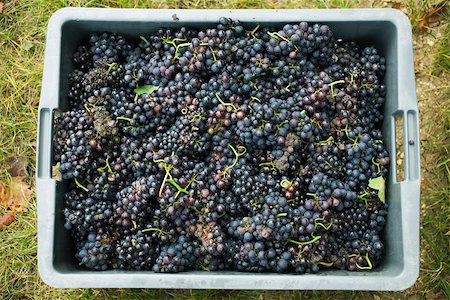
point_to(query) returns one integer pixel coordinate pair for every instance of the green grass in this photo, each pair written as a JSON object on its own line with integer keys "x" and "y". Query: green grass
{"x": 22, "y": 38}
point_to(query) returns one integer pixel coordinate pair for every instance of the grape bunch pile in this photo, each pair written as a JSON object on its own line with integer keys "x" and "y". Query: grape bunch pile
{"x": 242, "y": 148}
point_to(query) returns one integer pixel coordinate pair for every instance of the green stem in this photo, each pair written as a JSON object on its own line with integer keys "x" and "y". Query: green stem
{"x": 316, "y": 223}
{"x": 159, "y": 230}
{"x": 331, "y": 85}
{"x": 355, "y": 141}
{"x": 178, "y": 187}
{"x": 286, "y": 88}
{"x": 112, "y": 65}
{"x": 252, "y": 33}
{"x": 143, "y": 38}
{"x": 167, "y": 176}
{"x": 336, "y": 82}
{"x": 328, "y": 164}
{"x": 369, "y": 263}
{"x": 269, "y": 164}
{"x": 285, "y": 184}
{"x": 325, "y": 142}
{"x": 280, "y": 125}
{"x": 352, "y": 78}
{"x": 196, "y": 117}
{"x": 195, "y": 209}
{"x": 213, "y": 54}
{"x": 263, "y": 123}
{"x": 109, "y": 167}
{"x": 80, "y": 185}
{"x": 177, "y": 48}
{"x": 378, "y": 164}
{"x": 328, "y": 265}
{"x": 278, "y": 36}
{"x": 316, "y": 238}
{"x": 363, "y": 198}
{"x": 124, "y": 119}
{"x": 312, "y": 195}
{"x": 225, "y": 103}
{"x": 236, "y": 158}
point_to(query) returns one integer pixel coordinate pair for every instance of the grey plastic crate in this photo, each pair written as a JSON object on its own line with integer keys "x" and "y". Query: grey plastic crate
{"x": 387, "y": 29}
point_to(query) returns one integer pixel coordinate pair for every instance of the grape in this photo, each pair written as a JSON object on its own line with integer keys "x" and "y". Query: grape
{"x": 224, "y": 148}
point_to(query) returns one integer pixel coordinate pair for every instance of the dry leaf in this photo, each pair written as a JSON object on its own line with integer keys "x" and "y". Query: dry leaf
{"x": 27, "y": 45}
{"x": 7, "y": 219}
{"x": 17, "y": 166}
{"x": 1, "y": 7}
{"x": 394, "y": 4}
{"x": 432, "y": 15}
{"x": 15, "y": 195}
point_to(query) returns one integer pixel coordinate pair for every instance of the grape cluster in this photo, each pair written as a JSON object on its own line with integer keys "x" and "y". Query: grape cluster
{"x": 244, "y": 148}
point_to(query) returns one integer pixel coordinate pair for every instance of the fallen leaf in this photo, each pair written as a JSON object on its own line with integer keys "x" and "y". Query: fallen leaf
{"x": 27, "y": 45}
{"x": 15, "y": 195}
{"x": 17, "y": 166}
{"x": 56, "y": 175}
{"x": 1, "y": 7}
{"x": 432, "y": 15}
{"x": 7, "y": 219}
{"x": 394, "y": 4}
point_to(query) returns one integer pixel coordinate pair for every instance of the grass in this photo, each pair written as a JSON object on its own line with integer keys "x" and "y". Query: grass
{"x": 22, "y": 37}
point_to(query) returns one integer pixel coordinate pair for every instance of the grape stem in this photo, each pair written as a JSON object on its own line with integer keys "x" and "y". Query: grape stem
{"x": 123, "y": 118}
{"x": 169, "y": 179}
{"x": 286, "y": 88}
{"x": 269, "y": 164}
{"x": 236, "y": 158}
{"x": 177, "y": 47}
{"x": 315, "y": 198}
{"x": 316, "y": 223}
{"x": 363, "y": 198}
{"x": 316, "y": 238}
{"x": 377, "y": 163}
{"x": 110, "y": 66}
{"x": 325, "y": 142}
{"x": 80, "y": 185}
{"x": 196, "y": 117}
{"x": 107, "y": 165}
{"x": 143, "y": 38}
{"x": 328, "y": 265}
{"x": 226, "y": 103}
{"x": 159, "y": 230}
{"x": 331, "y": 85}
{"x": 285, "y": 184}
{"x": 366, "y": 257}
{"x": 278, "y": 36}
{"x": 252, "y": 33}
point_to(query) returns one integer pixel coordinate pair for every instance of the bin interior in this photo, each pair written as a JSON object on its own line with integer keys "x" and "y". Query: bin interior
{"x": 380, "y": 34}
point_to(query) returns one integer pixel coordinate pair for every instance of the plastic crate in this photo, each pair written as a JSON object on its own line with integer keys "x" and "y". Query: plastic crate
{"x": 387, "y": 29}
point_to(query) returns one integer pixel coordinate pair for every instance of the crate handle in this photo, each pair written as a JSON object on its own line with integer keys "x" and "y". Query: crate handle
{"x": 411, "y": 145}
{"x": 44, "y": 150}
{"x": 405, "y": 129}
